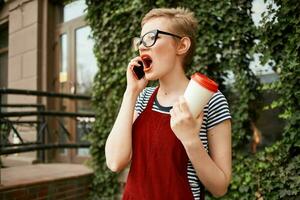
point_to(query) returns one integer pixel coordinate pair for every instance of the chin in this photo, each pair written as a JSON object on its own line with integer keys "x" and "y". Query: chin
{"x": 151, "y": 77}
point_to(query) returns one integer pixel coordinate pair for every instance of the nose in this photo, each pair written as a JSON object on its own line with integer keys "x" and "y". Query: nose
{"x": 141, "y": 47}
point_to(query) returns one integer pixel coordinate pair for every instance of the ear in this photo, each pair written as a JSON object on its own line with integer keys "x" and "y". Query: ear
{"x": 184, "y": 45}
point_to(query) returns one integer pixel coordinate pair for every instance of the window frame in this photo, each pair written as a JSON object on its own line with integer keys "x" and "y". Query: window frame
{"x": 69, "y": 28}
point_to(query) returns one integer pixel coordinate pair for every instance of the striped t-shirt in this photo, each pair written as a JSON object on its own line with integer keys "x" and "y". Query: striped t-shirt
{"x": 215, "y": 112}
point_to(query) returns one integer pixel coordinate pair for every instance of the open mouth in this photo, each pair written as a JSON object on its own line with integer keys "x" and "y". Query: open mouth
{"x": 147, "y": 60}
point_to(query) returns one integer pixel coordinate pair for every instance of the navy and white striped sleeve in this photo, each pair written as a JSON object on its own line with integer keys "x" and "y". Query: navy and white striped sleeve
{"x": 218, "y": 110}
{"x": 138, "y": 107}
{"x": 142, "y": 99}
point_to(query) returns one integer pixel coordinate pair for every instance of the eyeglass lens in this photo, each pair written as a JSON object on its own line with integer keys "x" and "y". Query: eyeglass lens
{"x": 147, "y": 40}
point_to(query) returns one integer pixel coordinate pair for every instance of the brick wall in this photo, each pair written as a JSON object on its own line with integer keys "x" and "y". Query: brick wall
{"x": 67, "y": 189}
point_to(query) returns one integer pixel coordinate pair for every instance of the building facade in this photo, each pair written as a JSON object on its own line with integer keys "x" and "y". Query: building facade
{"x": 46, "y": 46}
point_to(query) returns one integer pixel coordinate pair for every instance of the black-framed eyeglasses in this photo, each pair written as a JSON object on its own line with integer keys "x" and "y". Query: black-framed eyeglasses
{"x": 149, "y": 38}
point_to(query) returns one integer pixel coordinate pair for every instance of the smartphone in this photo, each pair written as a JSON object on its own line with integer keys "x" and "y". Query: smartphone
{"x": 139, "y": 70}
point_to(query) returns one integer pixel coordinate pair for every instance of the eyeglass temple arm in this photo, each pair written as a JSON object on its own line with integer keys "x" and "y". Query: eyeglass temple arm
{"x": 166, "y": 33}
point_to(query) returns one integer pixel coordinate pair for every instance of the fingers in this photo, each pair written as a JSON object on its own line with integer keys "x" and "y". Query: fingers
{"x": 176, "y": 108}
{"x": 130, "y": 68}
{"x": 134, "y": 62}
{"x": 180, "y": 109}
{"x": 200, "y": 117}
{"x": 183, "y": 105}
{"x": 172, "y": 113}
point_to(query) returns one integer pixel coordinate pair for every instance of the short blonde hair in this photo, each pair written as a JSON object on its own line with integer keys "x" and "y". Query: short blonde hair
{"x": 183, "y": 22}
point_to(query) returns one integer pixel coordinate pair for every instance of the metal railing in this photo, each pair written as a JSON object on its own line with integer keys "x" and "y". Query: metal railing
{"x": 8, "y": 123}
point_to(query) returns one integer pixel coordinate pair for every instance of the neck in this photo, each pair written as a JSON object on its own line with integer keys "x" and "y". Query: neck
{"x": 173, "y": 84}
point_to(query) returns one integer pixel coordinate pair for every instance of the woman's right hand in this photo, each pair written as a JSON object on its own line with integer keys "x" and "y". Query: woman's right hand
{"x": 133, "y": 84}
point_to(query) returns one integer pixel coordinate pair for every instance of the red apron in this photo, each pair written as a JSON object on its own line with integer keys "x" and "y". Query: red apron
{"x": 159, "y": 162}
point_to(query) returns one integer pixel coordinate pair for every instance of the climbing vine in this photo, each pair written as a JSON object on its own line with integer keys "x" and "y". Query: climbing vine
{"x": 226, "y": 38}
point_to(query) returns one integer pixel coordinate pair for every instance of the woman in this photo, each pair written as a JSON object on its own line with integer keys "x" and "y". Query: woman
{"x": 155, "y": 130}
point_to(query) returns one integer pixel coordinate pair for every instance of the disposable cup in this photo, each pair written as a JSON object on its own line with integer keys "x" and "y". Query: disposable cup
{"x": 198, "y": 93}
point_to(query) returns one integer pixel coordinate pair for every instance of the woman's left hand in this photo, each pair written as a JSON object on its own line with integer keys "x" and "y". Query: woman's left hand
{"x": 183, "y": 124}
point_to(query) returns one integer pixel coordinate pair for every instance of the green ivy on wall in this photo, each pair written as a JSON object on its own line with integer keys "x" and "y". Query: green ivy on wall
{"x": 274, "y": 173}
{"x": 280, "y": 42}
{"x": 113, "y": 24}
{"x": 224, "y": 46}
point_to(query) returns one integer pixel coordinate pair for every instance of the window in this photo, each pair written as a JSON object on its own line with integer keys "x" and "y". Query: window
{"x": 72, "y": 11}
{"x": 3, "y": 57}
{"x": 86, "y": 68}
{"x": 3, "y": 54}
{"x": 76, "y": 65}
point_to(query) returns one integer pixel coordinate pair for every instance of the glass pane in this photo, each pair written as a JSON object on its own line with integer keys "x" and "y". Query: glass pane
{"x": 63, "y": 136}
{"x": 86, "y": 68}
{"x": 3, "y": 76}
{"x": 63, "y": 87}
{"x": 3, "y": 69}
{"x": 63, "y": 71}
{"x": 74, "y": 10}
{"x": 3, "y": 36}
{"x": 83, "y": 128}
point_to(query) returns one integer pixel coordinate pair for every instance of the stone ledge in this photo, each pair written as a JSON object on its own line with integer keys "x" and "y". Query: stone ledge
{"x": 14, "y": 161}
{"x": 21, "y": 176}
